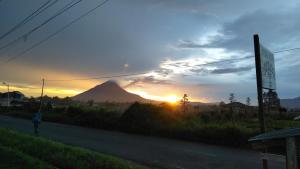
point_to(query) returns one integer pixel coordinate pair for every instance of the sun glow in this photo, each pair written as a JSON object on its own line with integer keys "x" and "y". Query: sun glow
{"x": 171, "y": 99}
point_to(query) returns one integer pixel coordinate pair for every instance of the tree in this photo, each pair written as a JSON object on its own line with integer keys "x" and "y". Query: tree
{"x": 231, "y": 97}
{"x": 184, "y": 102}
{"x": 90, "y": 103}
{"x": 248, "y": 101}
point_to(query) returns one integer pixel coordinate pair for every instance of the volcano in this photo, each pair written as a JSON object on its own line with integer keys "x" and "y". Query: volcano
{"x": 108, "y": 91}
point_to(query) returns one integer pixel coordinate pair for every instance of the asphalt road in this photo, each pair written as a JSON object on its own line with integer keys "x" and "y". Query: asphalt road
{"x": 150, "y": 151}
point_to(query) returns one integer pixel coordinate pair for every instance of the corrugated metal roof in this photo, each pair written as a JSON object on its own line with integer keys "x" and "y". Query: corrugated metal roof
{"x": 278, "y": 134}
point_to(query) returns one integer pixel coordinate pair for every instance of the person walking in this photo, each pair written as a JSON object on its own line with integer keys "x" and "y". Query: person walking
{"x": 36, "y": 121}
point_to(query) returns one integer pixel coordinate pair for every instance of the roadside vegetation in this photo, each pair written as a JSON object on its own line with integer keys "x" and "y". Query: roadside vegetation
{"x": 14, "y": 159}
{"x": 19, "y": 151}
{"x": 210, "y": 124}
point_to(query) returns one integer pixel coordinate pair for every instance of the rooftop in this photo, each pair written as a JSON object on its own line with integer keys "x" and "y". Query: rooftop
{"x": 278, "y": 134}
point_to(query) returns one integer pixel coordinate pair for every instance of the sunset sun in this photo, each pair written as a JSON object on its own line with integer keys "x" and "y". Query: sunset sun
{"x": 172, "y": 99}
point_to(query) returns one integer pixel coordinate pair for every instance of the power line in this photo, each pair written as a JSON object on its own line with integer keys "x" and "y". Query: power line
{"x": 22, "y": 86}
{"x": 41, "y": 9}
{"x": 24, "y": 36}
{"x": 55, "y": 33}
{"x": 100, "y": 77}
{"x": 286, "y": 50}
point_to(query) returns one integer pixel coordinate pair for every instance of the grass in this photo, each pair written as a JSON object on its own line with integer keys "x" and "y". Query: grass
{"x": 37, "y": 149}
{"x": 14, "y": 159}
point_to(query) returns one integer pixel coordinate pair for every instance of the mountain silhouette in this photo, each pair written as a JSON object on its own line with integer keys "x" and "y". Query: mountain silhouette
{"x": 108, "y": 91}
{"x": 291, "y": 103}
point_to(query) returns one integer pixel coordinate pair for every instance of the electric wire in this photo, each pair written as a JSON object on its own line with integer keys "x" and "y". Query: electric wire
{"x": 286, "y": 50}
{"x": 99, "y": 77}
{"x": 55, "y": 33}
{"x": 34, "y": 14}
{"x": 24, "y": 36}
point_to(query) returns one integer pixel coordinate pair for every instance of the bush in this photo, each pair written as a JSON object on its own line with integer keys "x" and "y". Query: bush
{"x": 93, "y": 117}
{"x": 147, "y": 118}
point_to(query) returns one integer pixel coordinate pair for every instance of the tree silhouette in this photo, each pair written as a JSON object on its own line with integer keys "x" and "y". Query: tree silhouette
{"x": 248, "y": 101}
{"x": 184, "y": 102}
{"x": 231, "y": 97}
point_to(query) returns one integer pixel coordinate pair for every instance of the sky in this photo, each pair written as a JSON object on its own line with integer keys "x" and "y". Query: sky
{"x": 203, "y": 48}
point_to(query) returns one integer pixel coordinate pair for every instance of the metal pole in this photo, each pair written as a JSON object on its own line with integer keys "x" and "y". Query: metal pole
{"x": 259, "y": 90}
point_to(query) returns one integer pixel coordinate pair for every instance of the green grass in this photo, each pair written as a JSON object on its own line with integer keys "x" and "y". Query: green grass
{"x": 60, "y": 155}
{"x": 14, "y": 159}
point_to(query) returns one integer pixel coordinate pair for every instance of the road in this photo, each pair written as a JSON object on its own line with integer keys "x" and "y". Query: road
{"x": 150, "y": 151}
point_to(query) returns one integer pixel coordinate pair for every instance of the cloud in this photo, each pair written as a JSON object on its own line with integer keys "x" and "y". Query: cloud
{"x": 147, "y": 80}
{"x": 190, "y": 44}
{"x": 231, "y": 70}
{"x": 164, "y": 72}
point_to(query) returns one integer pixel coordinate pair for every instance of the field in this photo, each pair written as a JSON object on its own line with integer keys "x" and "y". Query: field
{"x": 18, "y": 151}
{"x": 209, "y": 125}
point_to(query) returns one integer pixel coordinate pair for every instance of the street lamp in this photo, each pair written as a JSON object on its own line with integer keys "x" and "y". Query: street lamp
{"x": 8, "y": 104}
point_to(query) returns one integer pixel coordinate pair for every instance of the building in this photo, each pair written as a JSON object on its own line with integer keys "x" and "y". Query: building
{"x": 281, "y": 145}
{"x": 16, "y": 98}
{"x": 237, "y": 107}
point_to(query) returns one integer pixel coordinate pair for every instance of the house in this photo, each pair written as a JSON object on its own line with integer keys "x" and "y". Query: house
{"x": 16, "y": 98}
{"x": 281, "y": 145}
{"x": 235, "y": 107}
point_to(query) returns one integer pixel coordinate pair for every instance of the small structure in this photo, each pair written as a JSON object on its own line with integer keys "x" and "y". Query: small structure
{"x": 15, "y": 98}
{"x": 281, "y": 145}
{"x": 237, "y": 107}
{"x": 271, "y": 102}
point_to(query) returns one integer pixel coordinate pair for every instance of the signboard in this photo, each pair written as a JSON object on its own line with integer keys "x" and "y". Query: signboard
{"x": 267, "y": 68}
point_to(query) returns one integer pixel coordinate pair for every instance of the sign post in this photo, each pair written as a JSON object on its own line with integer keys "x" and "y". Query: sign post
{"x": 259, "y": 82}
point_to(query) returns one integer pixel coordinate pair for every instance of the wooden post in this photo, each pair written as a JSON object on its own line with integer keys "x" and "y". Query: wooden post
{"x": 291, "y": 153}
{"x": 41, "y": 99}
{"x": 8, "y": 99}
{"x": 259, "y": 90}
{"x": 259, "y": 83}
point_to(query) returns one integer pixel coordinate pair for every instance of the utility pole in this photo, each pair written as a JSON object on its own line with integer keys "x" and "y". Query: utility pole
{"x": 8, "y": 99}
{"x": 259, "y": 90}
{"x": 41, "y": 99}
{"x": 259, "y": 83}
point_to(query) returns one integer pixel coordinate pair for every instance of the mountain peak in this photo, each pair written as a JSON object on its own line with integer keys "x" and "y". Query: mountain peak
{"x": 109, "y": 91}
{"x": 109, "y": 83}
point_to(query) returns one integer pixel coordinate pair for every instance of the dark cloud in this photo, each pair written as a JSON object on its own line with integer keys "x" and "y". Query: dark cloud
{"x": 164, "y": 72}
{"x": 200, "y": 71}
{"x": 190, "y": 44}
{"x": 147, "y": 80}
{"x": 225, "y": 62}
{"x": 276, "y": 30}
{"x": 231, "y": 70}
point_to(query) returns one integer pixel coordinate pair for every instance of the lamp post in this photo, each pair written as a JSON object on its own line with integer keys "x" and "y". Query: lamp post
{"x": 8, "y": 104}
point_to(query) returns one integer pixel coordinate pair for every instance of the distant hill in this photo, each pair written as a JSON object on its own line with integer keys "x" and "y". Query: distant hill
{"x": 109, "y": 91}
{"x": 291, "y": 103}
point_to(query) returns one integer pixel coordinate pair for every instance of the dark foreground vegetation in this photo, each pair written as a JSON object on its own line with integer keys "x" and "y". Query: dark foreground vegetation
{"x": 209, "y": 124}
{"x": 18, "y": 151}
